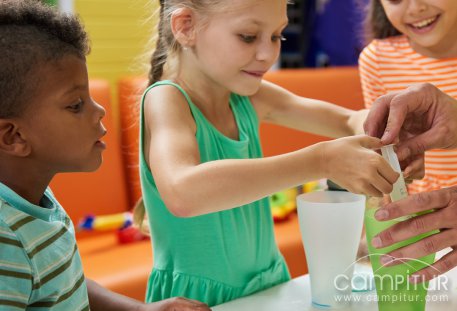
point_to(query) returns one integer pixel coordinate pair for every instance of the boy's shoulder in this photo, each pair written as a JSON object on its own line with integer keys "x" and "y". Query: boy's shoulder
{"x": 9, "y": 216}
{"x": 11, "y": 245}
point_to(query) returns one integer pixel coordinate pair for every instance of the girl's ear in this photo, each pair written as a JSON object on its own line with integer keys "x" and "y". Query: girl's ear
{"x": 12, "y": 141}
{"x": 183, "y": 26}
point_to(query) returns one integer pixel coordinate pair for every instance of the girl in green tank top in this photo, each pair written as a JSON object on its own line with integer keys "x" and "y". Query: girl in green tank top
{"x": 204, "y": 180}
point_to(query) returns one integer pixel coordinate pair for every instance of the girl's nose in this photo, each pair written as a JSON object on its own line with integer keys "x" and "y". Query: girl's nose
{"x": 267, "y": 52}
{"x": 417, "y": 6}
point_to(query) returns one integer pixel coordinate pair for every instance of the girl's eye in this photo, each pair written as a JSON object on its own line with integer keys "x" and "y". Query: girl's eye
{"x": 278, "y": 38}
{"x": 247, "y": 38}
{"x": 76, "y": 107}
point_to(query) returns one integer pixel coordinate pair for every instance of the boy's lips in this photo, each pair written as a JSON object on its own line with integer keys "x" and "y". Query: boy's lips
{"x": 100, "y": 143}
{"x": 255, "y": 73}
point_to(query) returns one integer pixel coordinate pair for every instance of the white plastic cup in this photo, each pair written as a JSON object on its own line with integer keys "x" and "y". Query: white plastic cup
{"x": 331, "y": 226}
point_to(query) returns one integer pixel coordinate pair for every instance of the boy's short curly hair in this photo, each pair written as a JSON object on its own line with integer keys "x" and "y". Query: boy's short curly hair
{"x": 32, "y": 34}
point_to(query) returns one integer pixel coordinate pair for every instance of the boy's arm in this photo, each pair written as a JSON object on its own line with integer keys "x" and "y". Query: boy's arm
{"x": 101, "y": 299}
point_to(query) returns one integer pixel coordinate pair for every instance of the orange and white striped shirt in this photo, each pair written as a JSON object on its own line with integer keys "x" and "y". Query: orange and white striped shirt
{"x": 391, "y": 65}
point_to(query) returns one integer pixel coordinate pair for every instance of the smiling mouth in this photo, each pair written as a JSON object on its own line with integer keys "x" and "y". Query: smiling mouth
{"x": 425, "y": 23}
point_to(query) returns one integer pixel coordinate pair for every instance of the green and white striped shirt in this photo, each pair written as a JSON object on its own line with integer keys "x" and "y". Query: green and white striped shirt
{"x": 40, "y": 266}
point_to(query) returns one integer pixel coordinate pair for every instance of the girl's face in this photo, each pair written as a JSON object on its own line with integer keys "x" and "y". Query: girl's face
{"x": 236, "y": 47}
{"x": 431, "y": 25}
{"x": 62, "y": 123}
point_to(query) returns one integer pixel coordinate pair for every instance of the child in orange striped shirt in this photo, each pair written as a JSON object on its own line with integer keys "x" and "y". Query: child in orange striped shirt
{"x": 413, "y": 41}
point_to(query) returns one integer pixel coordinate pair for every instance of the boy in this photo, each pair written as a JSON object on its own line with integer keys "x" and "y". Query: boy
{"x": 48, "y": 124}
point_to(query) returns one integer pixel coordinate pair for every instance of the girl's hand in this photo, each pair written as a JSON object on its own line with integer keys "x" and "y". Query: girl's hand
{"x": 175, "y": 304}
{"x": 352, "y": 163}
{"x": 443, "y": 218}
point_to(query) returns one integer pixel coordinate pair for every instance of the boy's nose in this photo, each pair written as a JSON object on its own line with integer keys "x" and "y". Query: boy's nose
{"x": 101, "y": 112}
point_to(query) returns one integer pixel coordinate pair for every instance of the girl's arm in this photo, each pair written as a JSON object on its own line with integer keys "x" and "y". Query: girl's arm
{"x": 189, "y": 187}
{"x": 276, "y": 105}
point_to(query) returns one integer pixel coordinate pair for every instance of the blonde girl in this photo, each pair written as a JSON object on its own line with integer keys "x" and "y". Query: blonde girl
{"x": 204, "y": 181}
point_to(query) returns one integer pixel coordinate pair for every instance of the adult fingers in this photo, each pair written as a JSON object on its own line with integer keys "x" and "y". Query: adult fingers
{"x": 426, "y": 246}
{"x": 418, "y": 144}
{"x": 409, "y": 228}
{"x": 375, "y": 122}
{"x": 416, "y": 203}
{"x": 444, "y": 264}
{"x": 415, "y": 168}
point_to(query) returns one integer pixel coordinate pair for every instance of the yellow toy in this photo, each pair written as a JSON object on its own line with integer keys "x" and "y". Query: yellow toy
{"x": 283, "y": 204}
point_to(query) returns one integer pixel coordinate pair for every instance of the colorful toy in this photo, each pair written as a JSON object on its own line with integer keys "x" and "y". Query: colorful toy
{"x": 106, "y": 222}
{"x": 126, "y": 233}
{"x": 130, "y": 234}
{"x": 283, "y": 204}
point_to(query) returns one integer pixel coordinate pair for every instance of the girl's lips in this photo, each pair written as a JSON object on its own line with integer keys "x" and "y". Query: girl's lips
{"x": 424, "y": 25}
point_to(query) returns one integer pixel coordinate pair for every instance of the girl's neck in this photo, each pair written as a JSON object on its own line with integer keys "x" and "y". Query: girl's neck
{"x": 205, "y": 94}
{"x": 448, "y": 50}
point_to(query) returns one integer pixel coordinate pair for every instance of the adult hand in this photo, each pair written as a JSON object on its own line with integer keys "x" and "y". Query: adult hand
{"x": 420, "y": 118}
{"x": 176, "y": 304}
{"x": 443, "y": 218}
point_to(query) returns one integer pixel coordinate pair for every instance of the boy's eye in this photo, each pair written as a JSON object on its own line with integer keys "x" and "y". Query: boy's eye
{"x": 76, "y": 107}
{"x": 278, "y": 38}
{"x": 247, "y": 38}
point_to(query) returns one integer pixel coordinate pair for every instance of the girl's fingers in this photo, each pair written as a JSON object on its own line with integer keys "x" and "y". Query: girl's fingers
{"x": 386, "y": 171}
{"x": 383, "y": 185}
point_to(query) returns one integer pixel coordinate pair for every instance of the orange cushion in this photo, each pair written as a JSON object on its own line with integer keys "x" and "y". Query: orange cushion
{"x": 130, "y": 90}
{"x": 338, "y": 85}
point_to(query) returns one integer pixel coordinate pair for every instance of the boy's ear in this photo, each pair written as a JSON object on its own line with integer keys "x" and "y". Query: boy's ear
{"x": 183, "y": 26}
{"x": 12, "y": 141}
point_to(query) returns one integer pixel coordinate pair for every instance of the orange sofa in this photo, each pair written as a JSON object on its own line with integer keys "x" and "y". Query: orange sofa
{"x": 114, "y": 188}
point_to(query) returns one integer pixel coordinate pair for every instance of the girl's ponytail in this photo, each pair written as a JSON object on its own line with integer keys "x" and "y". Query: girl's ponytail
{"x": 159, "y": 57}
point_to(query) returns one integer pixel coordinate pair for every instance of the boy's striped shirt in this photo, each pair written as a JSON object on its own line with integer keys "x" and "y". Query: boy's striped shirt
{"x": 392, "y": 65}
{"x": 40, "y": 266}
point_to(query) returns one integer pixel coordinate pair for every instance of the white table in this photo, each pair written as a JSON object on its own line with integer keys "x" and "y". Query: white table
{"x": 295, "y": 296}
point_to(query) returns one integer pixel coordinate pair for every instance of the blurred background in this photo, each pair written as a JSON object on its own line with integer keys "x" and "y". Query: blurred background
{"x": 321, "y": 33}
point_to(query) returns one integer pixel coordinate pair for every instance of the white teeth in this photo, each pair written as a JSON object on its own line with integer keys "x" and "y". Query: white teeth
{"x": 424, "y": 23}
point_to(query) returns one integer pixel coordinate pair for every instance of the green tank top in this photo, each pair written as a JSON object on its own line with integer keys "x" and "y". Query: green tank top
{"x": 220, "y": 256}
